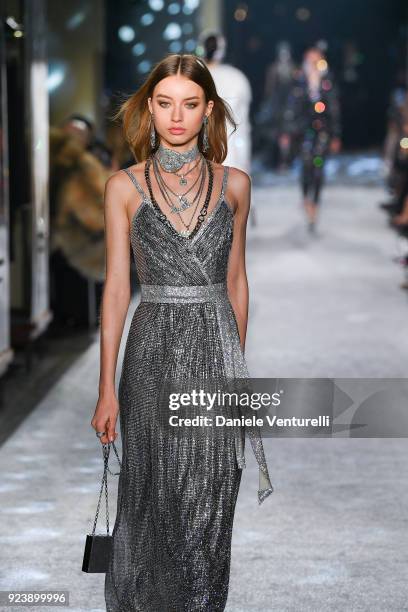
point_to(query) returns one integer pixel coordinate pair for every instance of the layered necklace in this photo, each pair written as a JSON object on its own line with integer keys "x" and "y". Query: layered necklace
{"x": 171, "y": 161}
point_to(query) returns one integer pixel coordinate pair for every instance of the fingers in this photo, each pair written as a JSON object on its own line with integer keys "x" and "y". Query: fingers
{"x": 103, "y": 439}
{"x": 109, "y": 435}
{"x": 112, "y": 434}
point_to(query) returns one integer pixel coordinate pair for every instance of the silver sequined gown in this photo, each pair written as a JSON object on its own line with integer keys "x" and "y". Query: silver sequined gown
{"x": 177, "y": 496}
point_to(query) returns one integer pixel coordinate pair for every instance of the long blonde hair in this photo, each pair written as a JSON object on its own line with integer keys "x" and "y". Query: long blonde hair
{"x": 135, "y": 115}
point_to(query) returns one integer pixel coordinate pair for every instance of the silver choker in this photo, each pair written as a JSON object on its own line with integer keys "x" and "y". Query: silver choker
{"x": 171, "y": 160}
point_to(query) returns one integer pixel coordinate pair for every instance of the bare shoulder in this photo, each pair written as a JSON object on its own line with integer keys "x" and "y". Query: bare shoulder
{"x": 239, "y": 179}
{"x": 137, "y": 170}
{"x": 119, "y": 182}
{"x": 239, "y": 189}
{"x": 118, "y": 193}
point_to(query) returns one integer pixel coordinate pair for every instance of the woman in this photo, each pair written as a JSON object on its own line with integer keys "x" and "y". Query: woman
{"x": 314, "y": 113}
{"x": 234, "y": 87}
{"x": 278, "y": 84}
{"x": 177, "y": 491}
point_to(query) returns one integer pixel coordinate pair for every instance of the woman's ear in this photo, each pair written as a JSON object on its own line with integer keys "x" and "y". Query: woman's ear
{"x": 210, "y": 106}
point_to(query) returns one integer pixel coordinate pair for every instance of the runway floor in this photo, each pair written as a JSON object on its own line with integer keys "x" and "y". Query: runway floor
{"x": 333, "y": 535}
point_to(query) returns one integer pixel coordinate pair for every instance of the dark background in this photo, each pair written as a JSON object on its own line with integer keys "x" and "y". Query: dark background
{"x": 378, "y": 29}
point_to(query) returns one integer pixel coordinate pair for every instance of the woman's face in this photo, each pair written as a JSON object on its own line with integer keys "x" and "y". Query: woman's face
{"x": 177, "y": 102}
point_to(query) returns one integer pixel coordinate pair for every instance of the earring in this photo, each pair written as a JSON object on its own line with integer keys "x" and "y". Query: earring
{"x": 205, "y": 134}
{"x": 152, "y": 133}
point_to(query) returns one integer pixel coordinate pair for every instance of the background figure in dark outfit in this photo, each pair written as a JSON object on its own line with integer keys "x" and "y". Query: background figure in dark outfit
{"x": 77, "y": 250}
{"x": 315, "y": 124}
{"x": 278, "y": 84}
{"x": 84, "y": 130}
{"x": 274, "y": 114}
{"x": 395, "y": 156}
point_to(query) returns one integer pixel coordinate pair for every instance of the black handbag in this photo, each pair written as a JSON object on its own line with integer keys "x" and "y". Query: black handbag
{"x": 98, "y": 547}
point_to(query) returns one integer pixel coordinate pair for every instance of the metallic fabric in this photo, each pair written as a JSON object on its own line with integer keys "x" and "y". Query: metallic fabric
{"x": 177, "y": 493}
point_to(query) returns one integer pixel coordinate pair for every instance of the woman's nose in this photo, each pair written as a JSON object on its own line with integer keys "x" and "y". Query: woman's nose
{"x": 177, "y": 114}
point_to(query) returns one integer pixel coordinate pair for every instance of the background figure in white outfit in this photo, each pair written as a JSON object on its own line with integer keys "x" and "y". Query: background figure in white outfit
{"x": 234, "y": 87}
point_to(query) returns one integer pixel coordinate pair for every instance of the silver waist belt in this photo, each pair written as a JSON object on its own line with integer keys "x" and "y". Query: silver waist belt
{"x": 184, "y": 293}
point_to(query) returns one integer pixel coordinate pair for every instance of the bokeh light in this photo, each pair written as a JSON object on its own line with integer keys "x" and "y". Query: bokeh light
{"x": 174, "y": 8}
{"x": 322, "y": 65}
{"x": 175, "y": 46}
{"x": 144, "y": 66}
{"x": 139, "y": 48}
{"x": 191, "y": 5}
{"x": 126, "y": 33}
{"x": 156, "y": 5}
{"x": 320, "y": 107}
{"x": 241, "y": 12}
{"x": 147, "y": 19}
{"x": 190, "y": 45}
{"x": 172, "y": 31}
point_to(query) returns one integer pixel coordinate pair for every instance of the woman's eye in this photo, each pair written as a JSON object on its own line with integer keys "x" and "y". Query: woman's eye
{"x": 190, "y": 104}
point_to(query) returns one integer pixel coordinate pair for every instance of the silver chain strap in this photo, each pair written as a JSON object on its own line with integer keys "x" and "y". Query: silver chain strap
{"x": 104, "y": 484}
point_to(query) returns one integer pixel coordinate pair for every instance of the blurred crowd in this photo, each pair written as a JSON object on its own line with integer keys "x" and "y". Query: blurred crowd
{"x": 396, "y": 165}
{"x": 80, "y": 164}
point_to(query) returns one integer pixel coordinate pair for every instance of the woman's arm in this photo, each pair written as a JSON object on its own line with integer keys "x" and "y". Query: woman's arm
{"x": 237, "y": 282}
{"x": 115, "y": 302}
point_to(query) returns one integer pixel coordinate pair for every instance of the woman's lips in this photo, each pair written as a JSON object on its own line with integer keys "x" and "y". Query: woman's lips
{"x": 177, "y": 130}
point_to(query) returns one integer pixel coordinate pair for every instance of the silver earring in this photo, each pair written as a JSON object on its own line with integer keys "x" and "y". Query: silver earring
{"x": 205, "y": 134}
{"x": 152, "y": 133}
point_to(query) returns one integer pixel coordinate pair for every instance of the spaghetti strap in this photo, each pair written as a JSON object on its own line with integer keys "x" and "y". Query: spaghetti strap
{"x": 135, "y": 182}
{"x": 224, "y": 181}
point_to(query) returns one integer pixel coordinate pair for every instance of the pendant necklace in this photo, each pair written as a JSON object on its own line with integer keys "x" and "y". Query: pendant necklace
{"x": 167, "y": 198}
{"x": 183, "y": 201}
{"x": 201, "y": 217}
{"x": 187, "y": 233}
{"x": 183, "y": 180}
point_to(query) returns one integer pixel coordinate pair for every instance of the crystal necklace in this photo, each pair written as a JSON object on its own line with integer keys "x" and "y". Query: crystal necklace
{"x": 183, "y": 201}
{"x": 201, "y": 217}
{"x": 182, "y": 176}
{"x": 166, "y": 195}
{"x": 171, "y": 160}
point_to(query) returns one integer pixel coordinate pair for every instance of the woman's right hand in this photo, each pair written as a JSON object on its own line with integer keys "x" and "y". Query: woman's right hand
{"x": 105, "y": 417}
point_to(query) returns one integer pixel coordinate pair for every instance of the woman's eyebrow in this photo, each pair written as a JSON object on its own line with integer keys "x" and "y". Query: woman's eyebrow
{"x": 190, "y": 98}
